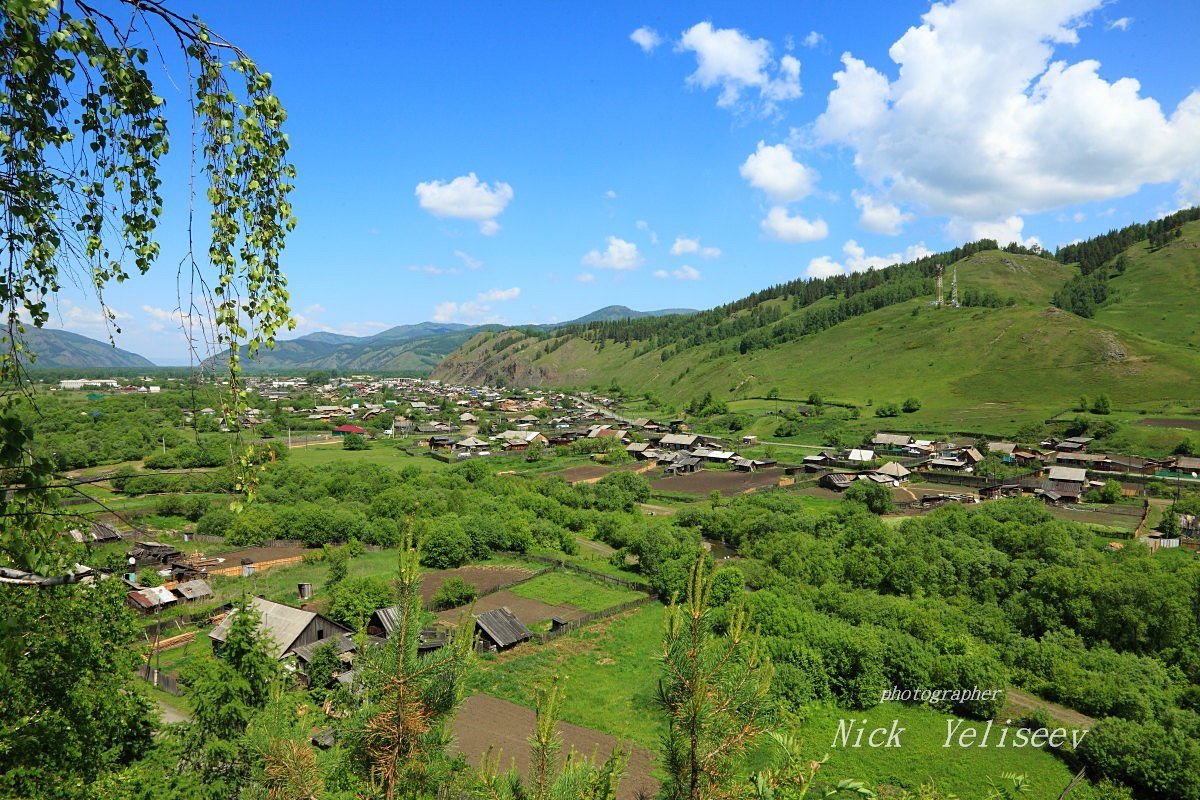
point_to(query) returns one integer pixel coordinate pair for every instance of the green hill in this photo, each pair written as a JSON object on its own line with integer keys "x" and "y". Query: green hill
{"x": 55, "y": 349}
{"x": 1008, "y": 358}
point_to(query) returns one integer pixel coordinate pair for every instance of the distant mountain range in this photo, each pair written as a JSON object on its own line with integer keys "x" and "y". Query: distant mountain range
{"x": 55, "y": 349}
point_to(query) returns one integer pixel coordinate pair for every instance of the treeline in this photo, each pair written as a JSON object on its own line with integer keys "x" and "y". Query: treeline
{"x": 739, "y": 317}
{"x": 1095, "y": 252}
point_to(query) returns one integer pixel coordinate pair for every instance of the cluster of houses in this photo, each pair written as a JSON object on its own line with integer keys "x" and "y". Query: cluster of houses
{"x": 1058, "y": 469}
{"x": 295, "y": 634}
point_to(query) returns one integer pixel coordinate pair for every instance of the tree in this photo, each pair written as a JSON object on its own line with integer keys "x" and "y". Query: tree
{"x": 81, "y": 196}
{"x": 714, "y": 689}
{"x": 405, "y": 730}
{"x": 1102, "y": 405}
{"x": 453, "y": 592}
{"x": 911, "y": 405}
{"x": 355, "y": 441}
{"x": 875, "y": 496}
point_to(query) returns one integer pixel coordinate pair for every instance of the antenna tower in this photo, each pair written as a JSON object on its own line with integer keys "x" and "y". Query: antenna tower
{"x": 939, "y": 301}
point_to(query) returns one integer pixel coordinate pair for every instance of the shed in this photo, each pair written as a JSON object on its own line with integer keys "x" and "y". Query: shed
{"x": 500, "y": 629}
{"x": 149, "y": 598}
{"x": 193, "y": 590}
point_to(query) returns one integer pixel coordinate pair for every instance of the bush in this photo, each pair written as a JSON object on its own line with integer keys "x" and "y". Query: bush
{"x": 911, "y": 404}
{"x": 354, "y": 441}
{"x": 445, "y": 544}
{"x": 453, "y": 592}
{"x": 216, "y": 522}
{"x": 875, "y": 496}
{"x": 355, "y": 599}
{"x": 887, "y": 410}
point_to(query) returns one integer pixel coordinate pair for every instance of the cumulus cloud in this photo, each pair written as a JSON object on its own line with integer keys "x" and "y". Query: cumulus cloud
{"x": 475, "y": 311}
{"x": 684, "y": 273}
{"x": 685, "y": 246}
{"x": 730, "y": 60}
{"x": 1005, "y": 231}
{"x": 784, "y": 227}
{"x": 466, "y": 197}
{"x": 619, "y": 255}
{"x": 585, "y": 277}
{"x": 855, "y": 259}
{"x": 775, "y": 170}
{"x": 880, "y": 216}
{"x": 83, "y": 318}
{"x": 981, "y": 133}
{"x": 610, "y": 195}
{"x": 646, "y": 38}
{"x": 813, "y": 40}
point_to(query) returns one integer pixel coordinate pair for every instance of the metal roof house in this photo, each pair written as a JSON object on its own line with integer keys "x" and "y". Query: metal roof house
{"x": 286, "y": 627}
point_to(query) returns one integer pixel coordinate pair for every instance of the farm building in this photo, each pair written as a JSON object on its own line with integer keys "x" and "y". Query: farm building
{"x": 193, "y": 590}
{"x": 343, "y": 430}
{"x": 860, "y": 456}
{"x": 499, "y": 629}
{"x": 149, "y": 599}
{"x": 98, "y": 533}
{"x": 892, "y": 472}
{"x": 286, "y": 627}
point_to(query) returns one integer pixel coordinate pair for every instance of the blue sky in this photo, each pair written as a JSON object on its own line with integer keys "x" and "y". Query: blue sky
{"x": 530, "y": 162}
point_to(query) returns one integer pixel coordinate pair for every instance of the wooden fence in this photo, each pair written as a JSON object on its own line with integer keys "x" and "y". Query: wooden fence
{"x": 163, "y": 680}
{"x": 557, "y": 563}
{"x": 235, "y": 570}
{"x": 586, "y": 619}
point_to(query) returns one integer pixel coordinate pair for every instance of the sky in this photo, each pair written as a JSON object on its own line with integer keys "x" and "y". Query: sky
{"x": 531, "y": 162}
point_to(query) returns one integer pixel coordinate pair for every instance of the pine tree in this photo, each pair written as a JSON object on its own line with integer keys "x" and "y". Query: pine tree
{"x": 714, "y": 689}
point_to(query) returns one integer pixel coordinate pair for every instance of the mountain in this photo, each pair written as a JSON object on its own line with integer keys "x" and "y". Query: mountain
{"x": 416, "y": 347}
{"x": 56, "y": 349}
{"x": 1006, "y": 355}
{"x": 610, "y": 313}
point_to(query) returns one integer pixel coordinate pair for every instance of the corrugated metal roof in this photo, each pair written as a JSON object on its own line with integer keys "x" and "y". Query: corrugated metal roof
{"x": 1068, "y": 474}
{"x": 503, "y": 627}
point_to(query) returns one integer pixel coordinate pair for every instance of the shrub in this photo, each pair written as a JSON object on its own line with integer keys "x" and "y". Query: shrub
{"x": 453, "y": 592}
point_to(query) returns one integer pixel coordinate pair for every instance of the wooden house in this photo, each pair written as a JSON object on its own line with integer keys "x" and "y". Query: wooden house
{"x": 286, "y": 628}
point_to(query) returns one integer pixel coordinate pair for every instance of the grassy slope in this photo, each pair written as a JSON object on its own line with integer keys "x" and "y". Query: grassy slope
{"x": 972, "y": 367}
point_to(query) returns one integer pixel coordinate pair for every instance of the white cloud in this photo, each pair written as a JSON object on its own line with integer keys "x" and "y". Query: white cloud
{"x": 646, "y": 38}
{"x": 642, "y": 225}
{"x": 786, "y": 228}
{"x": 856, "y": 260}
{"x": 585, "y": 277}
{"x": 684, "y": 246}
{"x": 475, "y": 311}
{"x": 1121, "y": 24}
{"x": 813, "y": 39}
{"x": 777, "y": 172}
{"x": 728, "y": 59}
{"x": 430, "y": 269}
{"x": 468, "y": 261}
{"x": 880, "y": 216}
{"x": 466, "y": 197}
{"x": 87, "y": 319}
{"x": 684, "y": 273}
{"x": 979, "y": 132}
{"x": 620, "y": 255}
{"x": 610, "y": 195}
{"x": 1004, "y": 232}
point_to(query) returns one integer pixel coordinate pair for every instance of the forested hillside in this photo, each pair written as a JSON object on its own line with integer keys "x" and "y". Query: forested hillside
{"x": 1032, "y": 333}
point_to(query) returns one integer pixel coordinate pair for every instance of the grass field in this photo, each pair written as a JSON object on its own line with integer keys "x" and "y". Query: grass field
{"x": 922, "y": 758}
{"x": 583, "y": 593}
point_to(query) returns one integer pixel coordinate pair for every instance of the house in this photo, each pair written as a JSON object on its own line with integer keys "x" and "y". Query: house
{"x": 892, "y": 472}
{"x": 470, "y": 444}
{"x": 678, "y": 441}
{"x": 286, "y": 627}
{"x": 520, "y": 440}
{"x": 752, "y": 464}
{"x": 1068, "y": 482}
{"x": 149, "y": 599}
{"x": 818, "y": 462}
{"x": 193, "y": 590}
{"x": 837, "y": 481}
{"x": 343, "y": 430}
{"x": 750, "y": 440}
{"x": 98, "y": 533}
{"x": 891, "y": 441}
{"x": 467, "y": 418}
{"x": 499, "y": 629}
{"x": 684, "y": 465}
{"x": 1186, "y": 464}
{"x": 1075, "y": 444}
{"x": 860, "y": 456}
{"x": 153, "y": 553}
